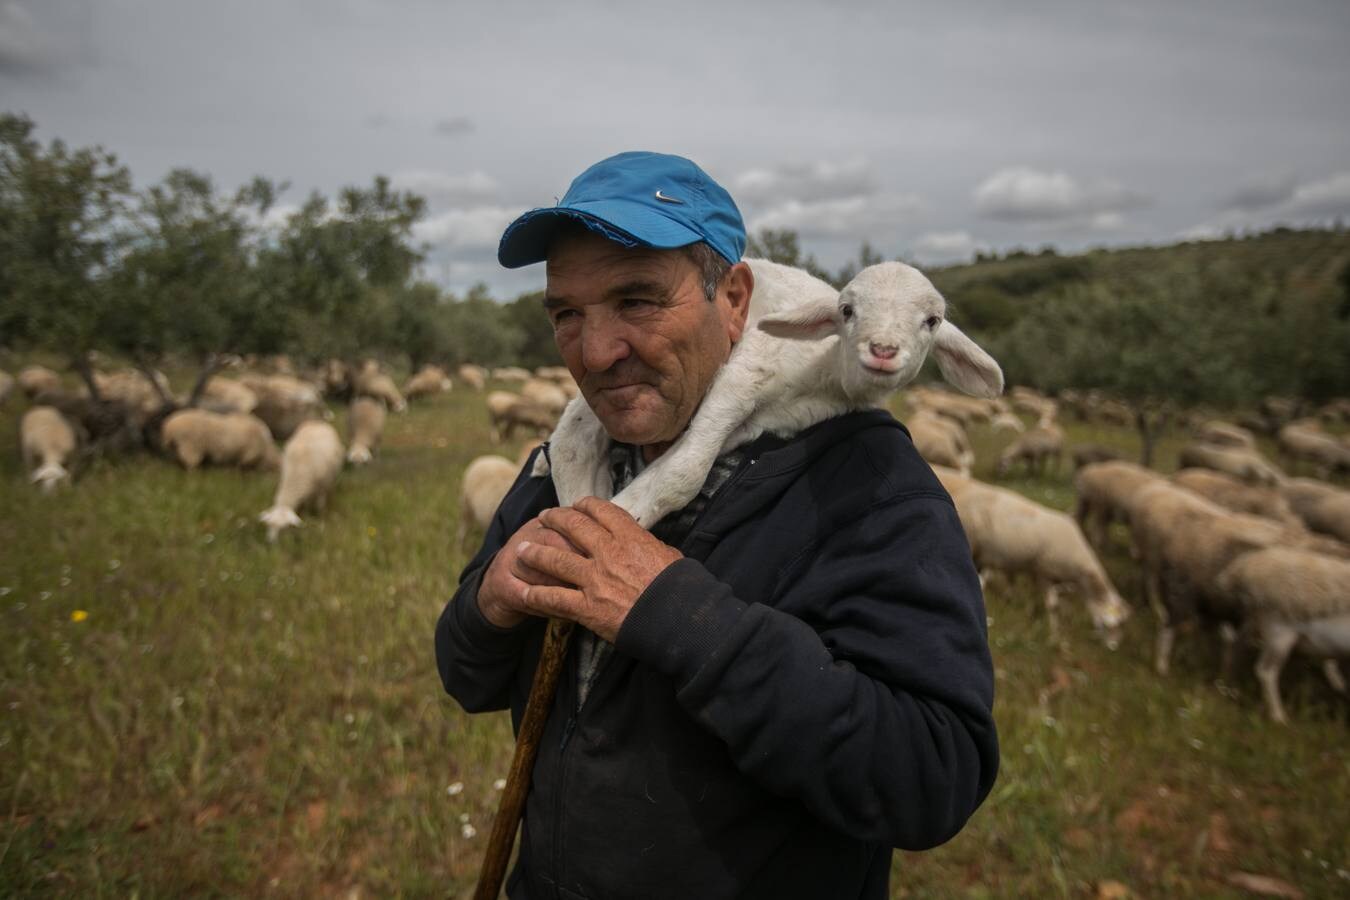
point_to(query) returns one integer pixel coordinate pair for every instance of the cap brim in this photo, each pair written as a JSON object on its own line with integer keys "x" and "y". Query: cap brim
{"x": 526, "y": 240}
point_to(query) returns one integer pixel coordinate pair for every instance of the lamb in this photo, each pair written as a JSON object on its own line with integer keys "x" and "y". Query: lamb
{"x": 310, "y": 463}
{"x": 1038, "y": 446}
{"x": 1292, "y": 598}
{"x": 1302, "y": 443}
{"x": 1011, "y": 534}
{"x": 195, "y": 436}
{"x": 35, "y": 380}
{"x": 485, "y": 483}
{"x": 430, "y": 380}
{"x": 365, "y": 423}
{"x": 1248, "y": 465}
{"x": 6, "y": 386}
{"x": 474, "y": 376}
{"x": 1107, "y": 492}
{"x": 809, "y": 353}
{"x": 1322, "y": 507}
{"x": 1239, "y": 496}
{"x": 47, "y": 442}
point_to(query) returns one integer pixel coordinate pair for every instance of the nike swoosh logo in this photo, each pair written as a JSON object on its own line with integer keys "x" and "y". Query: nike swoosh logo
{"x": 662, "y": 197}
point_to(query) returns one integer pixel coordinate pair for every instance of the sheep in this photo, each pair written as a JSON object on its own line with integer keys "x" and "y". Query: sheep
{"x": 195, "y": 436}
{"x": 284, "y": 402}
{"x": 1106, "y": 492}
{"x": 809, "y": 353}
{"x": 940, "y": 441}
{"x": 1292, "y": 597}
{"x": 557, "y": 374}
{"x": 35, "y": 380}
{"x": 546, "y": 394}
{"x": 485, "y": 483}
{"x": 365, "y": 422}
{"x": 510, "y": 373}
{"x": 430, "y": 380}
{"x": 6, "y": 386}
{"x": 380, "y": 386}
{"x": 224, "y": 395}
{"x": 1006, "y": 421}
{"x": 1012, "y": 534}
{"x": 335, "y": 376}
{"x": 1322, "y": 507}
{"x": 507, "y": 410}
{"x": 1231, "y": 493}
{"x": 1301, "y": 442}
{"x": 474, "y": 376}
{"x": 1086, "y": 454}
{"x": 47, "y": 441}
{"x": 310, "y": 463}
{"x": 1247, "y": 465}
{"x": 1038, "y": 446}
{"x": 1225, "y": 434}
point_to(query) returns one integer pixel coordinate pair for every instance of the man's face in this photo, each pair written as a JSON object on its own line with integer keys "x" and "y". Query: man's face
{"x": 637, "y": 333}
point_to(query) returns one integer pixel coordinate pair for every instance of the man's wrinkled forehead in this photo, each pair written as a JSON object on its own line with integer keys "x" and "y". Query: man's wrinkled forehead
{"x": 587, "y": 257}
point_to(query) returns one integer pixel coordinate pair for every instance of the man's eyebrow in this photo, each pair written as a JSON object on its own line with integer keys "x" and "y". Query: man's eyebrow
{"x": 643, "y": 287}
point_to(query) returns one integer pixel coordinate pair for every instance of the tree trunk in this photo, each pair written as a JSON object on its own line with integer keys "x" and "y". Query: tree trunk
{"x": 143, "y": 366}
{"x": 212, "y": 365}
{"x": 80, "y": 363}
{"x": 1149, "y": 426}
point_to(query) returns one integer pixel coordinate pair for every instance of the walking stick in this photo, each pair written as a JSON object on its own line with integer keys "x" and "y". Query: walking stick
{"x": 504, "y": 826}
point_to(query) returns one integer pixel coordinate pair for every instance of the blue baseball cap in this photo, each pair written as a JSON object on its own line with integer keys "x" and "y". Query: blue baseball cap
{"x": 637, "y": 199}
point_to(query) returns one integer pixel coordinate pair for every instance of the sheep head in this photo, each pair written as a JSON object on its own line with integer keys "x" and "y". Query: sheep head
{"x": 888, "y": 319}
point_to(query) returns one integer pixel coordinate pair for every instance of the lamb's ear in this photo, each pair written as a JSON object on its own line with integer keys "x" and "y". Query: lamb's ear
{"x": 964, "y": 364}
{"x": 808, "y": 322}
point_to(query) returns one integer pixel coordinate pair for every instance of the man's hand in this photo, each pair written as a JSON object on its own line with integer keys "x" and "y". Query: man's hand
{"x": 595, "y": 564}
{"x": 501, "y": 595}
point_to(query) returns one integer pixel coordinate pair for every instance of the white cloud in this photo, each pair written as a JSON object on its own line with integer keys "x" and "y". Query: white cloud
{"x": 945, "y": 247}
{"x": 1328, "y": 197}
{"x": 473, "y": 227}
{"x": 442, "y": 187}
{"x": 804, "y": 182}
{"x": 1023, "y": 194}
{"x": 1304, "y": 204}
{"x": 861, "y": 216}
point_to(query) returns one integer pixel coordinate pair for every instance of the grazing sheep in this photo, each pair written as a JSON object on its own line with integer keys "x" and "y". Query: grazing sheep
{"x": 380, "y": 386}
{"x": 1113, "y": 412}
{"x": 474, "y": 376}
{"x": 1225, "y": 434}
{"x": 195, "y": 436}
{"x": 557, "y": 374}
{"x": 1038, "y": 446}
{"x": 1248, "y": 465}
{"x": 940, "y": 441}
{"x": 1006, "y": 421}
{"x": 35, "y": 380}
{"x": 310, "y": 463}
{"x": 224, "y": 395}
{"x": 47, "y": 441}
{"x": 809, "y": 353}
{"x": 6, "y": 386}
{"x": 1292, "y": 598}
{"x": 1304, "y": 443}
{"x": 1106, "y": 493}
{"x": 1014, "y": 535}
{"x": 485, "y": 483}
{"x": 284, "y": 403}
{"x": 1322, "y": 507}
{"x": 546, "y": 394}
{"x": 1236, "y": 495}
{"x": 510, "y": 373}
{"x": 365, "y": 424}
{"x": 430, "y": 380}
{"x": 335, "y": 377}
{"x": 1087, "y": 454}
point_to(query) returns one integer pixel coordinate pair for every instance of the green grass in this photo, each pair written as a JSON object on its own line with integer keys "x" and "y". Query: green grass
{"x": 235, "y": 718}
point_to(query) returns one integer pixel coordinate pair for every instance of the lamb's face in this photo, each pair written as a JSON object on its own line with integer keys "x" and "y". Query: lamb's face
{"x": 889, "y": 315}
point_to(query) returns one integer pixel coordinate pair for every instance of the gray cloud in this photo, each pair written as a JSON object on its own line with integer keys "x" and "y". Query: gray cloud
{"x": 41, "y": 45}
{"x": 1263, "y": 191}
{"x": 1024, "y": 194}
{"x": 456, "y": 126}
{"x": 804, "y": 182}
{"x": 859, "y": 216}
{"x": 445, "y": 188}
{"x": 937, "y": 247}
{"x": 1328, "y": 197}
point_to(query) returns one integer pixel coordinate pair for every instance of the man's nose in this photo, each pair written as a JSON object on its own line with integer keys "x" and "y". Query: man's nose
{"x": 602, "y": 345}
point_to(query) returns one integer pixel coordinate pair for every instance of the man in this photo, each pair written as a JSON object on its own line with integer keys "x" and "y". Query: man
{"x": 777, "y": 685}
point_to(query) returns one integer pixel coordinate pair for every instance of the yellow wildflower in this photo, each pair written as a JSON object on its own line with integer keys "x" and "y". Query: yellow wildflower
{"x": 78, "y": 615}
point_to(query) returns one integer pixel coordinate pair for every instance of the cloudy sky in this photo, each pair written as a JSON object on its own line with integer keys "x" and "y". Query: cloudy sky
{"x": 930, "y": 130}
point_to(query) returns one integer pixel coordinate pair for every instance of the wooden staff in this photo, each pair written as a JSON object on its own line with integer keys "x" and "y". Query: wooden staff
{"x": 504, "y": 826}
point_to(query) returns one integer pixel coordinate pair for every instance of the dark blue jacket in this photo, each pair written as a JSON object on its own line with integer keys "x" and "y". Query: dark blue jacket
{"x": 809, "y": 688}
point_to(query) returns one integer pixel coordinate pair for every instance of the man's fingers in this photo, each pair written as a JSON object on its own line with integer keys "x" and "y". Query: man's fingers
{"x": 557, "y": 602}
{"x": 522, "y": 571}
{"x": 576, "y": 526}
{"x": 566, "y": 567}
{"x": 613, "y": 517}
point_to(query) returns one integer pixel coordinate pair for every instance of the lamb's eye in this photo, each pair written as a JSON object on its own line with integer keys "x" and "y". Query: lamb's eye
{"x": 932, "y": 322}
{"x": 846, "y": 310}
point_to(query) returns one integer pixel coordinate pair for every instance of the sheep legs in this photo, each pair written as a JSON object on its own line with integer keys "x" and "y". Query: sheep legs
{"x": 1333, "y": 675}
{"x": 1052, "y": 610}
{"x": 1277, "y": 641}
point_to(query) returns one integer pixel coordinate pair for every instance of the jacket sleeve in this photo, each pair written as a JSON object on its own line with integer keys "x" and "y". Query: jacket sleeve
{"x": 877, "y": 714}
{"x": 476, "y": 659}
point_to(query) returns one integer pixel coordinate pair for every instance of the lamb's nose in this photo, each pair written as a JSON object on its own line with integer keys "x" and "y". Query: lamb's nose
{"x": 883, "y": 351}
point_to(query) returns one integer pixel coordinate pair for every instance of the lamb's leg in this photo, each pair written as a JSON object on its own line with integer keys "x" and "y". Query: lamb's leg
{"x": 1052, "y": 610}
{"x": 1167, "y": 634}
{"x": 1277, "y": 641}
{"x": 1332, "y": 671}
{"x": 674, "y": 478}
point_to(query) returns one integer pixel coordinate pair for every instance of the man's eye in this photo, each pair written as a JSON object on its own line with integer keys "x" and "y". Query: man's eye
{"x": 635, "y": 302}
{"x": 563, "y": 315}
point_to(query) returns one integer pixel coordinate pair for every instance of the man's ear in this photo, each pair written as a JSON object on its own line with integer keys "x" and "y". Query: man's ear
{"x": 808, "y": 322}
{"x": 738, "y": 285}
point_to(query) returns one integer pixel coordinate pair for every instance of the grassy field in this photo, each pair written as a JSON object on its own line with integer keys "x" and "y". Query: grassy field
{"x": 188, "y": 710}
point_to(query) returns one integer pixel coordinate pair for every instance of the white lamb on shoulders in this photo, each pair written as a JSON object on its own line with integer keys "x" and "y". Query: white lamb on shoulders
{"x": 809, "y": 353}
{"x": 310, "y": 463}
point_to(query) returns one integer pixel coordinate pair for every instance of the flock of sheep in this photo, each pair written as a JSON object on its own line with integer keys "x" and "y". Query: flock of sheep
{"x": 1230, "y": 540}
